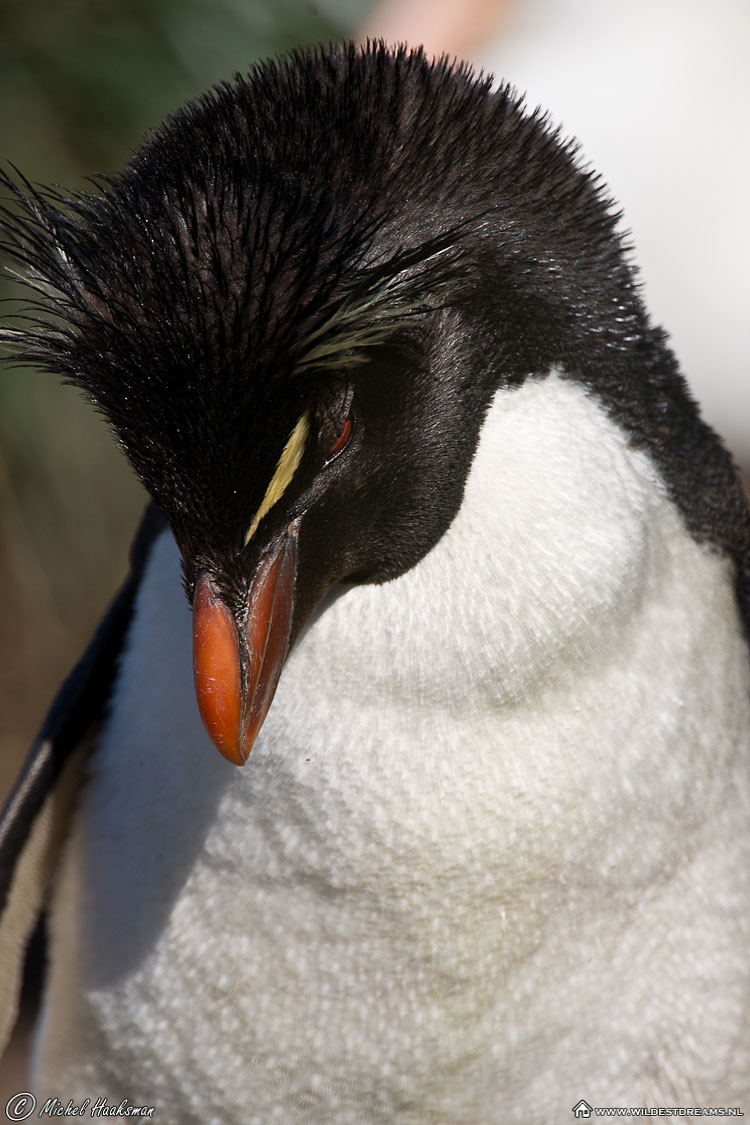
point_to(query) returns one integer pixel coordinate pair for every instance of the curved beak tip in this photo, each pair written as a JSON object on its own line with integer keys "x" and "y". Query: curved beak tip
{"x": 216, "y": 670}
{"x": 233, "y": 704}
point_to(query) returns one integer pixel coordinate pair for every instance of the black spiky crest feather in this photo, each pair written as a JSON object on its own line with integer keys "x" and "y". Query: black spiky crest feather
{"x": 282, "y": 226}
{"x": 232, "y": 171}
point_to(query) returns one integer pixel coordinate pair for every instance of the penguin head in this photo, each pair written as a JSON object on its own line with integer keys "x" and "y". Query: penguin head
{"x": 294, "y": 306}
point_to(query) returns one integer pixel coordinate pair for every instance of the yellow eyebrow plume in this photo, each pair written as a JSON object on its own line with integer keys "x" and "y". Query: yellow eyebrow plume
{"x": 291, "y": 455}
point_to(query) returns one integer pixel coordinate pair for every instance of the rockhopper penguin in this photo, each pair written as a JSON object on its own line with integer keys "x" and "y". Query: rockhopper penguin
{"x": 468, "y": 574}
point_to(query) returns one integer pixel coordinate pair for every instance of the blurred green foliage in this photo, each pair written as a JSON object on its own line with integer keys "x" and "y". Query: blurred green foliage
{"x": 81, "y": 81}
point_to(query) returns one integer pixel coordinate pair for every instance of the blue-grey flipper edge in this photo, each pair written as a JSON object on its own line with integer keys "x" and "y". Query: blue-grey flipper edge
{"x": 36, "y": 815}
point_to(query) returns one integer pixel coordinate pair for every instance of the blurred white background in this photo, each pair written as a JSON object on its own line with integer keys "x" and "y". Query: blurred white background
{"x": 658, "y": 94}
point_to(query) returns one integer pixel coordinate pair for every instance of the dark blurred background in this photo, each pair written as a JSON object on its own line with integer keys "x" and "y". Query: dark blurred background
{"x": 81, "y": 81}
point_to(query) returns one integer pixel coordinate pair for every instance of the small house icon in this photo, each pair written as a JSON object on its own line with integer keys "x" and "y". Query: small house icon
{"x": 582, "y": 1110}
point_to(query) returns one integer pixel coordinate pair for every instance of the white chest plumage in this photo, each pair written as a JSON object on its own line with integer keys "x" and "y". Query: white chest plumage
{"x": 488, "y": 856}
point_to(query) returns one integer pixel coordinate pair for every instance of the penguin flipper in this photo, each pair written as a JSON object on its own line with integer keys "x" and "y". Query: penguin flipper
{"x": 37, "y": 813}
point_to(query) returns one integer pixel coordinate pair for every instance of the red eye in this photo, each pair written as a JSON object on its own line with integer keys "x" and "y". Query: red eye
{"x": 342, "y": 440}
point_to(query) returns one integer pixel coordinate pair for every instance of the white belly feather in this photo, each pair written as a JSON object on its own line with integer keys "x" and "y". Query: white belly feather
{"x": 489, "y": 855}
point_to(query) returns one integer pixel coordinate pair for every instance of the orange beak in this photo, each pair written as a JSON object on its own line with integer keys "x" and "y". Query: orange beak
{"x": 236, "y": 670}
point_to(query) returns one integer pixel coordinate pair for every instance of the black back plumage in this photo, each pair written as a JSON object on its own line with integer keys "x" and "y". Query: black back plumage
{"x": 342, "y": 208}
